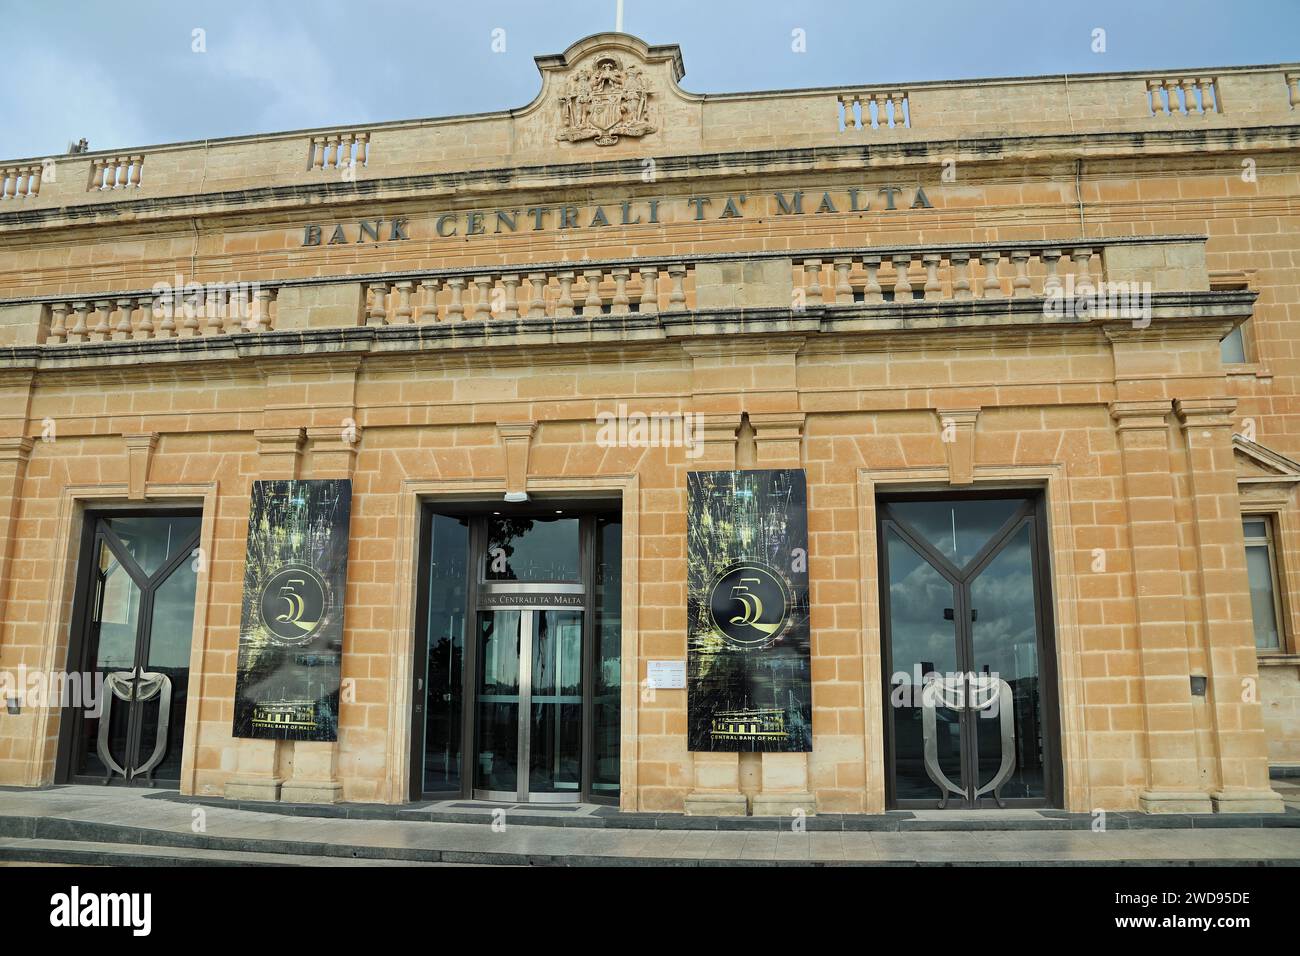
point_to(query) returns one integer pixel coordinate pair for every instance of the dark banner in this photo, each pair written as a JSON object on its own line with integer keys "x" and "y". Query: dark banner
{"x": 291, "y": 629}
{"x": 748, "y": 685}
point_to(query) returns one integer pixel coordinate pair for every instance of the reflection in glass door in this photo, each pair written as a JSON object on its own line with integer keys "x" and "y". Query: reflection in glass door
{"x": 135, "y": 608}
{"x": 970, "y": 709}
{"x": 529, "y": 705}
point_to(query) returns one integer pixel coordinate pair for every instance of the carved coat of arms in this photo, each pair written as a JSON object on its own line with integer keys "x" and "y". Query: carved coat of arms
{"x": 603, "y": 102}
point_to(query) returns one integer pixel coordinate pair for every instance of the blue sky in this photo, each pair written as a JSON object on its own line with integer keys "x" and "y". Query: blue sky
{"x": 125, "y": 74}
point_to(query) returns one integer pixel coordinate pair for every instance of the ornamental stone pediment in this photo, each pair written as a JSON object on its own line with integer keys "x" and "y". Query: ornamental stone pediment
{"x": 608, "y": 90}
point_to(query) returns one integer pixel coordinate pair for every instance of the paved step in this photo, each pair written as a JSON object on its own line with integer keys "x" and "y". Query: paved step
{"x": 15, "y": 852}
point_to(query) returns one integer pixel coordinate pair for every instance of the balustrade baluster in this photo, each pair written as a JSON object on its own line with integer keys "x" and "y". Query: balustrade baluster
{"x": 591, "y": 305}
{"x": 843, "y": 291}
{"x": 620, "y": 303}
{"x": 871, "y": 291}
{"x": 962, "y": 264}
{"x": 456, "y": 307}
{"x": 377, "y": 312}
{"x": 649, "y": 289}
{"x": 902, "y": 281}
{"x": 145, "y": 328}
{"x": 402, "y": 315}
{"x": 482, "y": 303}
{"x": 677, "y": 295}
{"x": 1020, "y": 284}
{"x": 511, "y": 284}
{"x": 991, "y": 288}
{"x": 429, "y": 301}
{"x": 564, "y": 307}
{"x": 122, "y": 331}
{"x": 812, "y": 273}
{"x": 58, "y": 324}
{"x": 933, "y": 288}
{"x": 537, "y": 298}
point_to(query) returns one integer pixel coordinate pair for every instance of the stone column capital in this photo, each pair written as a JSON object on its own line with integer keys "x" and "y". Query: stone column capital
{"x": 1140, "y": 415}
{"x": 280, "y": 450}
{"x": 16, "y": 448}
{"x": 1205, "y": 412}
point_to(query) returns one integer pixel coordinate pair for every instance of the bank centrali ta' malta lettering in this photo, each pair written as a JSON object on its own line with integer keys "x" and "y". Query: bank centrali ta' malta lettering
{"x": 604, "y": 101}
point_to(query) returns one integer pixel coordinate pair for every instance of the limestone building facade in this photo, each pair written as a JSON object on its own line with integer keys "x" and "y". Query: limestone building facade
{"x": 1034, "y": 344}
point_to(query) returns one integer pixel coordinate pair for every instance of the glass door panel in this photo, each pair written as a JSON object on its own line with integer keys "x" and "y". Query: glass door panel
{"x": 501, "y": 641}
{"x": 439, "y": 669}
{"x": 1004, "y": 640}
{"x": 923, "y": 643}
{"x": 555, "y": 702}
{"x": 607, "y": 679}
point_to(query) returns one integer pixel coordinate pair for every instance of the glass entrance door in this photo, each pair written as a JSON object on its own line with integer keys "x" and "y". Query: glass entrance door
{"x": 136, "y": 606}
{"x": 528, "y": 698}
{"x": 970, "y": 709}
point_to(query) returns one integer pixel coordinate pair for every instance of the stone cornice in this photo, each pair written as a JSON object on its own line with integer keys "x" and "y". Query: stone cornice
{"x": 697, "y": 168}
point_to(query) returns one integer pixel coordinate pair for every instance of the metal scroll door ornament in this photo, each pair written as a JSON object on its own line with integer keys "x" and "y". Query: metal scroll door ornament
{"x": 985, "y": 693}
{"x": 130, "y": 686}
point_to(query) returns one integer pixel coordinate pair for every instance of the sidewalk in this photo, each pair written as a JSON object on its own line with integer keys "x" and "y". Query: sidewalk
{"x": 80, "y": 824}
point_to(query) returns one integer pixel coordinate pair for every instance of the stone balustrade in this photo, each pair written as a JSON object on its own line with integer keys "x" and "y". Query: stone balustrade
{"x": 1183, "y": 95}
{"x": 339, "y": 151}
{"x": 875, "y": 109}
{"x": 949, "y": 273}
{"x": 116, "y": 172}
{"x": 586, "y": 289}
{"x": 20, "y": 181}
{"x": 707, "y": 283}
{"x": 195, "y": 311}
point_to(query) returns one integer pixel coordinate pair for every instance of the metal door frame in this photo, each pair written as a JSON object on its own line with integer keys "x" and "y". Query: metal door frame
{"x": 87, "y": 604}
{"x": 476, "y": 515}
{"x": 1032, "y": 511}
{"x": 527, "y": 622}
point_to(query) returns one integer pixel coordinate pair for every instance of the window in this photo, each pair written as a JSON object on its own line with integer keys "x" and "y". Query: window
{"x": 1232, "y": 348}
{"x": 1265, "y": 593}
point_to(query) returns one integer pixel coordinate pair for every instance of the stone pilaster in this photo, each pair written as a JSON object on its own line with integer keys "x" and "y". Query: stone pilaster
{"x": 314, "y": 777}
{"x": 1173, "y": 784}
{"x": 1241, "y": 749}
{"x": 259, "y": 763}
{"x": 784, "y": 788}
{"x": 716, "y": 790}
{"x": 14, "y": 455}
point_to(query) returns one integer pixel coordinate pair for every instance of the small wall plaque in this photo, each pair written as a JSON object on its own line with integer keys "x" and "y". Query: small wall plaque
{"x": 666, "y": 675}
